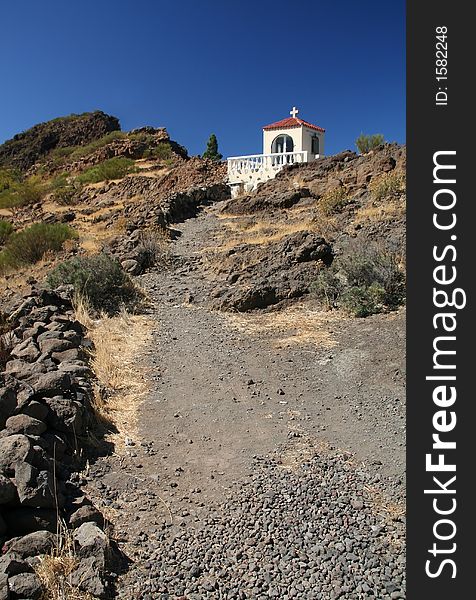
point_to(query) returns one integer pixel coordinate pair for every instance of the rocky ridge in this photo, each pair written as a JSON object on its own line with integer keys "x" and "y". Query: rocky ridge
{"x": 27, "y": 148}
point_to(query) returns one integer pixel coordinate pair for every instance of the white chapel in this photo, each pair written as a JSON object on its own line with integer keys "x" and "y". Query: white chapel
{"x": 291, "y": 140}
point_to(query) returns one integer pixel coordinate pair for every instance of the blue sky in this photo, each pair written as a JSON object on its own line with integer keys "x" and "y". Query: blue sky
{"x": 202, "y": 66}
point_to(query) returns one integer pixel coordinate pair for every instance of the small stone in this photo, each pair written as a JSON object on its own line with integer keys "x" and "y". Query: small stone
{"x": 86, "y": 514}
{"x": 50, "y": 384}
{"x": 25, "y": 585}
{"x": 33, "y": 544}
{"x": 195, "y": 571}
{"x": 35, "y": 488}
{"x": 209, "y": 584}
{"x": 131, "y": 266}
{"x": 35, "y": 409}
{"x": 88, "y": 535}
{"x": 55, "y": 345}
{"x": 12, "y": 564}
{"x": 8, "y": 403}
{"x": 14, "y": 449}
{"x": 25, "y": 424}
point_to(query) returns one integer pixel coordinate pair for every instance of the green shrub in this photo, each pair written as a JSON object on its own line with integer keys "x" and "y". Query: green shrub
{"x": 328, "y": 287}
{"x": 365, "y": 143}
{"x": 21, "y": 193}
{"x": 6, "y": 229}
{"x": 29, "y": 246}
{"x": 64, "y": 189}
{"x": 388, "y": 184}
{"x": 113, "y": 168}
{"x": 66, "y": 195}
{"x": 99, "y": 278}
{"x": 333, "y": 201}
{"x": 59, "y": 181}
{"x": 153, "y": 248}
{"x": 365, "y": 263}
{"x": 58, "y": 155}
{"x": 9, "y": 178}
{"x": 162, "y": 151}
{"x": 364, "y": 301}
{"x": 365, "y": 279}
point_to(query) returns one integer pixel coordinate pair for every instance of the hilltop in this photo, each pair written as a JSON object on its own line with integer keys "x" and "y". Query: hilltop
{"x": 27, "y": 148}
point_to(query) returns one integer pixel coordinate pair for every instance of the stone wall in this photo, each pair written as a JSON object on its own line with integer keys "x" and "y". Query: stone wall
{"x": 45, "y": 416}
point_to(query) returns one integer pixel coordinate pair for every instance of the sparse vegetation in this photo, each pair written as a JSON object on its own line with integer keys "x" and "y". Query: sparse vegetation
{"x": 99, "y": 279}
{"x": 56, "y": 568}
{"x": 333, "y": 201}
{"x": 118, "y": 341}
{"x": 365, "y": 143}
{"x": 387, "y": 185}
{"x": 328, "y": 287}
{"x": 18, "y": 192}
{"x": 77, "y": 152}
{"x": 212, "y": 149}
{"x": 9, "y": 178}
{"x": 113, "y": 168}
{"x": 29, "y": 246}
{"x": 153, "y": 249}
{"x": 36, "y": 144}
{"x": 6, "y": 229}
{"x": 66, "y": 196}
{"x": 366, "y": 279}
{"x": 65, "y": 189}
{"x": 162, "y": 151}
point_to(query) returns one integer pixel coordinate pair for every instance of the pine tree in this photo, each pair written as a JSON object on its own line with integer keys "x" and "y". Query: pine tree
{"x": 212, "y": 149}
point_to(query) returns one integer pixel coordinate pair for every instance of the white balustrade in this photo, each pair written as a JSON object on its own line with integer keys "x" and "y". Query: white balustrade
{"x": 260, "y": 167}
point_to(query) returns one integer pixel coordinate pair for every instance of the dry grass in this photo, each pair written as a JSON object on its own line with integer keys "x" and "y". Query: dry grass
{"x": 387, "y": 185}
{"x": 333, "y": 201}
{"x": 378, "y": 213}
{"x": 296, "y": 325}
{"x": 258, "y": 232}
{"x": 119, "y": 342}
{"x": 297, "y": 182}
{"x": 55, "y": 570}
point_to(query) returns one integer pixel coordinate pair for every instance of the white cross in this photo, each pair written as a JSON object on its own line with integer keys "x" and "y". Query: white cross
{"x": 294, "y": 112}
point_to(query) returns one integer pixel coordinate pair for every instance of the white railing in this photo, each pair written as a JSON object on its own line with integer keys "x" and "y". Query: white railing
{"x": 253, "y": 163}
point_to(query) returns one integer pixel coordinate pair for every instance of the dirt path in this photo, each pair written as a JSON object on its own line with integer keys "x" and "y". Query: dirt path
{"x": 225, "y": 389}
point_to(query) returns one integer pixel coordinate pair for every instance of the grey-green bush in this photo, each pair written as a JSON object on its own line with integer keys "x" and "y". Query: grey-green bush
{"x": 6, "y": 229}
{"x": 365, "y": 279}
{"x": 113, "y": 168}
{"x": 29, "y": 246}
{"x": 99, "y": 279}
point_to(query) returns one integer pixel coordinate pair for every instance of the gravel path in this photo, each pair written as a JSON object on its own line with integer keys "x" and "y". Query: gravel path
{"x": 262, "y": 467}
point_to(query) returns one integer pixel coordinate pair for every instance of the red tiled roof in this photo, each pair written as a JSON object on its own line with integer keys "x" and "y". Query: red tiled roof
{"x": 291, "y": 122}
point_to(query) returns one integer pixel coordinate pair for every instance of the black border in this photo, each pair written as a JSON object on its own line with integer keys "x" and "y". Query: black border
{"x": 432, "y": 128}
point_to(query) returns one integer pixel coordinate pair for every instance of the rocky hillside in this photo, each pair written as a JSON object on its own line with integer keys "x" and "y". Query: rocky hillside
{"x": 102, "y": 183}
{"x": 230, "y": 293}
{"x": 276, "y": 240}
{"x": 27, "y": 148}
